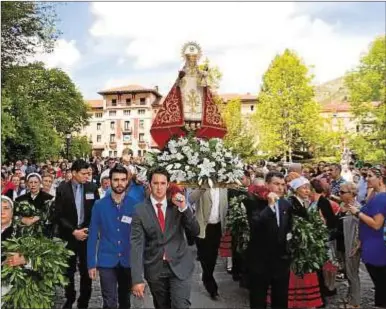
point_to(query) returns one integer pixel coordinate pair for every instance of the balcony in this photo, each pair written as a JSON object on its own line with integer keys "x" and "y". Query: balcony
{"x": 127, "y": 130}
{"x": 113, "y": 145}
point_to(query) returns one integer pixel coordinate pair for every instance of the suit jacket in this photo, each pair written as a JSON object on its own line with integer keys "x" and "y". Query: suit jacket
{"x": 67, "y": 216}
{"x": 268, "y": 249}
{"x": 203, "y": 201}
{"x": 149, "y": 243}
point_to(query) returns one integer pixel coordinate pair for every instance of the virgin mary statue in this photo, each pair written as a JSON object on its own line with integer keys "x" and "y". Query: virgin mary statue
{"x": 189, "y": 106}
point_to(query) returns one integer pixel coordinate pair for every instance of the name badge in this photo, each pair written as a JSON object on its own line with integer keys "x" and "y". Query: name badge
{"x": 90, "y": 196}
{"x": 126, "y": 219}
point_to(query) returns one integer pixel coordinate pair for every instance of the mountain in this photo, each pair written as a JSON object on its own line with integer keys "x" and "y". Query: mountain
{"x": 331, "y": 91}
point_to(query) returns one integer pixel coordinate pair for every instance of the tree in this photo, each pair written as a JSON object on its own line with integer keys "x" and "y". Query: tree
{"x": 287, "y": 116}
{"x": 26, "y": 27}
{"x": 367, "y": 84}
{"x": 239, "y": 132}
{"x": 80, "y": 147}
{"x": 41, "y": 105}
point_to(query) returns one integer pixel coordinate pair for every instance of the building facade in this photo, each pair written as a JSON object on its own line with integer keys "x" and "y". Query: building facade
{"x": 120, "y": 122}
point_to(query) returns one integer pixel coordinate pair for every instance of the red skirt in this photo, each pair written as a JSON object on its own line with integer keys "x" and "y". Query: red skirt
{"x": 225, "y": 249}
{"x": 303, "y": 292}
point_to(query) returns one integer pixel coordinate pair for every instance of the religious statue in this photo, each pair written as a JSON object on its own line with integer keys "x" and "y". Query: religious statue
{"x": 189, "y": 106}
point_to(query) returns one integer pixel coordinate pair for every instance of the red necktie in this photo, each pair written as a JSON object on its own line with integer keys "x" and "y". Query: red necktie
{"x": 161, "y": 218}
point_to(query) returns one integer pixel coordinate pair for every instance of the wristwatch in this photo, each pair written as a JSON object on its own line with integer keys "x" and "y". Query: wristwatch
{"x": 357, "y": 214}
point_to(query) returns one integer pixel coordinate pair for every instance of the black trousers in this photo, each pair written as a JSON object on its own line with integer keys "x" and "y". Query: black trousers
{"x": 207, "y": 251}
{"x": 168, "y": 291}
{"x": 80, "y": 260}
{"x": 258, "y": 288}
{"x": 115, "y": 285}
{"x": 378, "y": 276}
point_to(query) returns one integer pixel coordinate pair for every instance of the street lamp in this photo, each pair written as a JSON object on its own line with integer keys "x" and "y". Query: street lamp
{"x": 68, "y": 139}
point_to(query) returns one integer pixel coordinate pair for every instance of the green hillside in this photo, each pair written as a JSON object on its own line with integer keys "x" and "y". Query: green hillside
{"x": 331, "y": 91}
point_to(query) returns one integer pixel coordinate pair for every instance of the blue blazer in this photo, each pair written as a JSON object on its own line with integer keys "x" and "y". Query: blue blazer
{"x": 111, "y": 226}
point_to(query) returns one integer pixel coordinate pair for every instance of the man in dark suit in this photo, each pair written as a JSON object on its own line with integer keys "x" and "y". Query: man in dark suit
{"x": 74, "y": 202}
{"x": 159, "y": 250}
{"x": 268, "y": 251}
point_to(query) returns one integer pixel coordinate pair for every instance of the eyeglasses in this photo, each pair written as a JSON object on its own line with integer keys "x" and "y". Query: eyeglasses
{"x": 343, "y": 192}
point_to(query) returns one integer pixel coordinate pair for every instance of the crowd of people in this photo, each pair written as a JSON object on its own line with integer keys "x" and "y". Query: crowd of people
{"x": 131, "y": 230}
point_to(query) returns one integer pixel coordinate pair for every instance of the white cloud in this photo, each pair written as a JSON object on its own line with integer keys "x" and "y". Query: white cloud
{"x": 241, "y": 38}
{"x": 65, "y": 55}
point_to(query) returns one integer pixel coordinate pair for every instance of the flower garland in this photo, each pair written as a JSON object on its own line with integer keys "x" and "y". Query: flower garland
{"x": 194, "y": 160}
{"x": 237, "y": 222}
{"x": 308, "y": 244}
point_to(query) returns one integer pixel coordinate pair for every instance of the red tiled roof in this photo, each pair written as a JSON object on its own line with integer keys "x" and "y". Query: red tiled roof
{"x": 95, "y": 103}
{"x": 128, "y": 89}
{"x": 341, "y": 107}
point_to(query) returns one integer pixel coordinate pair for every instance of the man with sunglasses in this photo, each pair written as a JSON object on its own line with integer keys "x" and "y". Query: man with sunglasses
{"x": 362, "y": 184}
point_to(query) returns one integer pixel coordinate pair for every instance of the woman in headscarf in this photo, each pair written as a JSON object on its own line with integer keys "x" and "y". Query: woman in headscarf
{"x": 303, "y": 292}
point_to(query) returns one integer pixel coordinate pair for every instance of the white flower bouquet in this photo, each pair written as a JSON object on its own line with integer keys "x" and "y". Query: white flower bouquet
{"x": 194, "y": 161}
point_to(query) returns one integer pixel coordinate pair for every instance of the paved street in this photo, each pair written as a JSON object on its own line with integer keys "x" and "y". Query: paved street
{"x": 231, "y": 295}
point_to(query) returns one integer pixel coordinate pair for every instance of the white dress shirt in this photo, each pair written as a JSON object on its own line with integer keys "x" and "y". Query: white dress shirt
{"x": 164, "y": 203}
{"x": 214, "y": 216}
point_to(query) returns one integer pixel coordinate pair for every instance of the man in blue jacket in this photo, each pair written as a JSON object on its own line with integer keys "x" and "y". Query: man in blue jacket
{"x": 110, "y": 256}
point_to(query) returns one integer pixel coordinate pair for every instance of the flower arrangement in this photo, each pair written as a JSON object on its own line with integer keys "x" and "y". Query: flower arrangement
{"x": 198, "y": 161}
{"x": 34, "y": 287}
{"x": 237, "y": 222}
{"x": 308, "y": 244}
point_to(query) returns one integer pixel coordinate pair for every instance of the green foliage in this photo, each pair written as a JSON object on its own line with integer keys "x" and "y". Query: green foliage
{"x": 239, "y": 135}
{"x": 79, "y": 147}
{"x": 237, "y": 223}
{"x": 308, "y": 244}
{"x": 25, "y": 27}
{"x": 366, "y": 84}
{"x": 287, "y": 117}
{"x": 41, "y": 105}
{"x": 35, "y": 287}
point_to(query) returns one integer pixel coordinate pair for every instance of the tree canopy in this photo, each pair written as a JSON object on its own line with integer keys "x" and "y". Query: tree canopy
{"x": 287, "y": 117}
{"x": 367, "y": 89}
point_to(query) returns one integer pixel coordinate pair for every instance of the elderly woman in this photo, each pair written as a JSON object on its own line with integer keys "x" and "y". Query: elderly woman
{"x": 36, "y": 196}
{"x": 371, "y": 221}
{"x": 348, "y": 193}
{"x": 7, "y": 232}
{"x": 303, "y": 292}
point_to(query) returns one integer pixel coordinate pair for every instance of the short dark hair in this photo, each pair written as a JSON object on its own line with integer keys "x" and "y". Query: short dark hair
{"x": 337, "y": 165}
{"x": 367, "y": 164}
{"x": 118, "y": 169}
{"x": 317, "y": 185}
{"x": 79, "y": 164}
{"x": 270, "y": 175}
{"x": 158, "y": 170}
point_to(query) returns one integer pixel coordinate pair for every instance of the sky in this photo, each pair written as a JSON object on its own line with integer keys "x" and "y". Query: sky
{"x": 106, "y": 44}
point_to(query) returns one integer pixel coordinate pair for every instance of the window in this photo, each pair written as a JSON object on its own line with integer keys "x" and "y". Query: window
{"x": 99, "y": 138}
{"x": 127, "y": 125}
{"x": 112, "y": 138}
{"x": 142, "y": 101}
{"x": 112, "y": 125}
{"x": 141, "y": 124}
{"x": 110, "y": 153}
{"x": 139, "y": 153}
{"x": 112, "y": 113}
{"x": 126, "y": 112}
{"x": 98, "y": 115}
{"x": 252, "y": 108}
{"x": 128, "y": 101}
{"x": 114, "y": 102}
{"x": 115, "y": 153}
{"x": 127, "y": 138}
{"x": 99, "y": 126}
{"x": 141, "y": 137}
{"x": 141, "y": 112}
